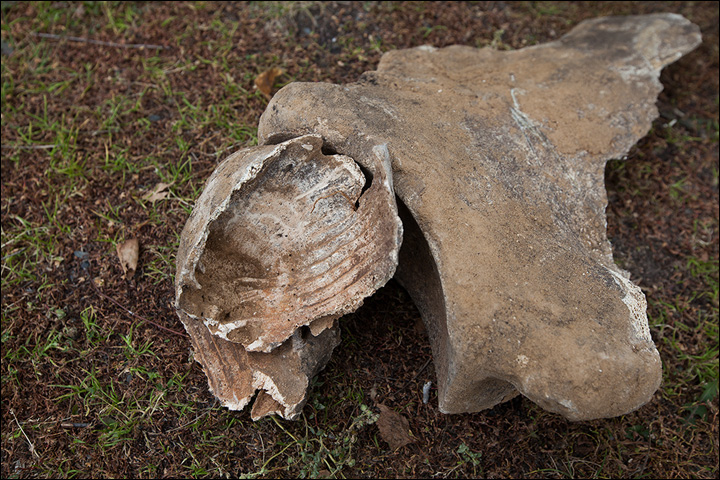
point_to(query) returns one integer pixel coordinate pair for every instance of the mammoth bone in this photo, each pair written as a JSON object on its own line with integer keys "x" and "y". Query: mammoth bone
{"x": 496, "y": 160}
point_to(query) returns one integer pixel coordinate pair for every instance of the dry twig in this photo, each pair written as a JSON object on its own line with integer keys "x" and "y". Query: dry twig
{"x": 52, "y": 36}
{"x": 32, "y": 447}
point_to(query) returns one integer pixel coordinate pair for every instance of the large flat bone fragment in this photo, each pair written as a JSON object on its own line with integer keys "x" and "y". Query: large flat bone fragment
{"x": 499, "y": 158}
{"x": 283, "y": 240}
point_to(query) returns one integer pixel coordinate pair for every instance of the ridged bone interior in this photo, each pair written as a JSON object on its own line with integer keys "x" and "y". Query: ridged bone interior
{"x": 297, "y": 242}
{"x": 283, "y": 240}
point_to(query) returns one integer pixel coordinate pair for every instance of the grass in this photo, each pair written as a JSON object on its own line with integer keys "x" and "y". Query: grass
{"x": 88, "y": 131}
{"x": 317, "y": 452}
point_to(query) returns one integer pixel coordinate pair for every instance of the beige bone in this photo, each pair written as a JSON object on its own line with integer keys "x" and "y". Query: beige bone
{"x": 498, "y": 159}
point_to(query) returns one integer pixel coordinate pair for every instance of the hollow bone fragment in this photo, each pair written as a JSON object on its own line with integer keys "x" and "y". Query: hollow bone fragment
{"x": 498, "y": 157}
{"x": 283, "y": 240}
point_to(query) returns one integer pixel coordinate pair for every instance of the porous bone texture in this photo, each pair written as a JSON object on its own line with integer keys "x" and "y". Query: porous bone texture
{"x": 498, "y": 158}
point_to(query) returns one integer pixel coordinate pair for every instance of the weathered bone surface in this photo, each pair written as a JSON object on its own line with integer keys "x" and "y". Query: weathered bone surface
{"x": 280, "y": 377}
{"x": 499, "y": 160}
{"x": 283, "y": 240}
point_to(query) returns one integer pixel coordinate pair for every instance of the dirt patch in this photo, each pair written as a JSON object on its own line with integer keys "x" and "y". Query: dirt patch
{"x": 91, "y": 387}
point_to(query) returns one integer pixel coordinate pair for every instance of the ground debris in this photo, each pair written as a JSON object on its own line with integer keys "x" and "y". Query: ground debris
{"x": 265, "y": 81}
{"x": 394, "y": 428}
{"x": 128, "y": 253}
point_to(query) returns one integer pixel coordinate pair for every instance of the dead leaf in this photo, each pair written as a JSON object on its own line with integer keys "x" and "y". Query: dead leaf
{"x": 393, "y": 427}
{"x": 158, "y": 193}
{"x": 128, "y": 253}
{"x": 264, "y": 82}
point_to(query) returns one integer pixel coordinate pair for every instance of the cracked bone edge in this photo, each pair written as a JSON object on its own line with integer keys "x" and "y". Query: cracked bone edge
{"x": 279, "y": 378}
{"x": 279, "y": 366}
{"x": 636, "y": 303}
{"x": 283, "y": 236}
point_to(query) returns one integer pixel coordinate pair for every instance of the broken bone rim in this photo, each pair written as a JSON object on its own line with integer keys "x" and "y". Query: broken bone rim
{"x": 299, "y": 236}
{"x": 235, "y": 373}
{"x": 278, "y": 380}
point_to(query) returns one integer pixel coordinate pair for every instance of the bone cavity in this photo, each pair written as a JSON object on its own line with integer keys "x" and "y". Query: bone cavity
{"x": 283, "y": 240}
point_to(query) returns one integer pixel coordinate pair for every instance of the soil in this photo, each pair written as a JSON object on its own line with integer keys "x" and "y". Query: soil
{"x": 77, "y": 401}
